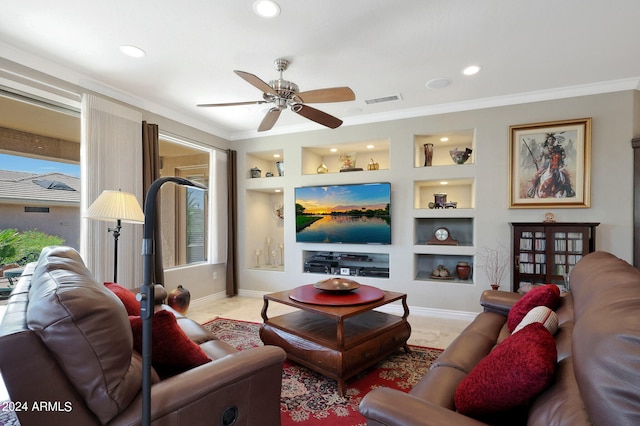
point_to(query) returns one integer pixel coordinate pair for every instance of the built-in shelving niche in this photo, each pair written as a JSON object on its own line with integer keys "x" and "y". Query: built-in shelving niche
{"x": 426, "y": 263}
{"x": 265, "y": 161}
{"x": 265, "y": 219}
{"x": 362, "y": 153}
{"x": 458, "y": 190}
{"x": 459, "y": 139}
{"x": 352, "y": 264}
{"x": 460, "y": 229}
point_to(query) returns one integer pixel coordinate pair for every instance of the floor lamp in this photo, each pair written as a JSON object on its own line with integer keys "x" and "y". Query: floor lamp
{"x": 116, "y": 206}
{"x": 146, "y": 295}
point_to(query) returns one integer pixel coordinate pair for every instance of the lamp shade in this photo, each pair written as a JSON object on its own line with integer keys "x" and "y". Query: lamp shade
{"x": 114, "y": 205}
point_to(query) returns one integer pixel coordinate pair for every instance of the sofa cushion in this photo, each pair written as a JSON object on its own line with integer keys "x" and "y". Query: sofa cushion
{"x": 85, "y": 328}
{"x": 513, "y": 373}
{"x": 172, "y": 351}
{"x": 126, "y": 296}
{"x": 545, "y": 295}
{"x": 543, "y": 315}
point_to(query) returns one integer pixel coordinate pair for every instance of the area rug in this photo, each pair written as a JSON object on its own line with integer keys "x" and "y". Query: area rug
{"x": 308, "y": 398}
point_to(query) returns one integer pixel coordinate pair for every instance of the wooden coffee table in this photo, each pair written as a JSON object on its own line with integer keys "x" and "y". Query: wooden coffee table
{"x": 334, "y": 340}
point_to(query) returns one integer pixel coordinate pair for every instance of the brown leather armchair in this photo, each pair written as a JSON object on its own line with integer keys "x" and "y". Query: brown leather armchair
{"x": 67, "y": 358}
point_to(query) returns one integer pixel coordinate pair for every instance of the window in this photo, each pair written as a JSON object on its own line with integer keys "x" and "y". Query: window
{"x": 196, "y": 223}
{"x": 184, "y": 213}
{"x": 39, "y": 168}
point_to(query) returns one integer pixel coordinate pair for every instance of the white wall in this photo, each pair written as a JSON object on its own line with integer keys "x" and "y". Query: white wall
{"x": 615, "y": 121}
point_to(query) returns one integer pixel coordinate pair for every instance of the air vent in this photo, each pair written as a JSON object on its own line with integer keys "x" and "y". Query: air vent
{"x": 391, "y": 98}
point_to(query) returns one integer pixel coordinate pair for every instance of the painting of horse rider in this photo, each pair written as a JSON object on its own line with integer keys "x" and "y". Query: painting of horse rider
{"x": 550, "y": 164}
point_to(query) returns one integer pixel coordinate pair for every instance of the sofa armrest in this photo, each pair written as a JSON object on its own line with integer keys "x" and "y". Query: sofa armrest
{"x": 390, "y": 407}
{"x": 498, "y": 301}
{"x": 249, "y": 380}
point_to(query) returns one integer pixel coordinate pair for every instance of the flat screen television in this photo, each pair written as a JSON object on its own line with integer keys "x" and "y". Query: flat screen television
{"x": 344, "y": 214}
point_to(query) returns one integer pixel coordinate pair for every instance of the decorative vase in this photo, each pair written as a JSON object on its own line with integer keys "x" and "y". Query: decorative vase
{"x": 428, "y": 154}
{"x": 440, "y": 199}
{"x": 280, "y": 166}
{"x": 495, "y": 286}
{"x": 322, "y": 168}
{"x": 179, "y": 299}
{"x": 463, "y": 270}
{"x": 255, "y": 172}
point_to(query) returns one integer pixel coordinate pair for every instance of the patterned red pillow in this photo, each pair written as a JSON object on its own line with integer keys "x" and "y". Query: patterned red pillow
{"x": 172, "y": 351}
{"x": 126, "y": 296}
{"x": 511, "y": 375}
{"x": 545, "y": 295}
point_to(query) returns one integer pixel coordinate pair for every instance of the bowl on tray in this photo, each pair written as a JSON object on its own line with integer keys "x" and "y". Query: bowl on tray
{"x": 337, "y": 284}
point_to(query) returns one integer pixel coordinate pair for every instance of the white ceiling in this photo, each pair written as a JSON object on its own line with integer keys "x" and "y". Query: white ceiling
{"x": 528, "y": 49}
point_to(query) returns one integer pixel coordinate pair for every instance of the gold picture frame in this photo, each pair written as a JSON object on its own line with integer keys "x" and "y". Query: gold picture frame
{"x": 550, "y": 164}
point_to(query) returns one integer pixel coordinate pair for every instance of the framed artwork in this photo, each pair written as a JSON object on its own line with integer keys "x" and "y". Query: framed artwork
{"x": 347, "y": 160}
{"x": 550, "y": 164}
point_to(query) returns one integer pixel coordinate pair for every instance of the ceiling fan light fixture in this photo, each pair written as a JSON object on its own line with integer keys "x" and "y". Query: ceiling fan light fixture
{"x": 266, "y": 8}
{"x": 283, "y": 94}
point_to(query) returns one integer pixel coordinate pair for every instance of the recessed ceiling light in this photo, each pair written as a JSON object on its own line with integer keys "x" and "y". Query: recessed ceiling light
{"x": 278, "y": 190}
{"x": 471, "y": 70}
{"x": 133, "y": 51}
{"x": 276, "y": 155}
{"x": 438, "y": 83}
{"x": 444, "y": 139}
{"x": 334, "y": 150}
{"x": 370, "y": 146}
{"x": 266, "y": 8}
{"x": 444, "y": 182}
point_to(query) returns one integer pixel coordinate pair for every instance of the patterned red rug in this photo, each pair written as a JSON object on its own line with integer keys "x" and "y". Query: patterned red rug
{"x": 308, "y": 398}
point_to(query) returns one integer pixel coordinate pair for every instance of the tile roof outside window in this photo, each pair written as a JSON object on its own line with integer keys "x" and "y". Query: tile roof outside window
{"x": 18, "y": 187}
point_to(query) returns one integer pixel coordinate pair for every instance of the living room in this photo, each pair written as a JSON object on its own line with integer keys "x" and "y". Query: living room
{"x": 482, "y": 187}
{"x": 611, "y": 105}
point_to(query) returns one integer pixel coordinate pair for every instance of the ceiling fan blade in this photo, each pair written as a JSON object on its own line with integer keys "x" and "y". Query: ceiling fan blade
{"x": 270, "y": 119}
{"x": 233, "y": 104}
{"x": 317, "y": 115}
{"x": 333, "y": 94}
{"x": 256, "y": 82}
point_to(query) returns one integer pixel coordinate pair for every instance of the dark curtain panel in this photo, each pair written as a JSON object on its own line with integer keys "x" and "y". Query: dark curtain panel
{"x": 232, "y": 224}
{"x": 151, "y": 172}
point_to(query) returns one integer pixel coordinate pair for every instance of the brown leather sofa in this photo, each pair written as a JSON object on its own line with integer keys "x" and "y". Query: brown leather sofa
{"x": 66, "y": 357}
{"x": 597, "y": 378}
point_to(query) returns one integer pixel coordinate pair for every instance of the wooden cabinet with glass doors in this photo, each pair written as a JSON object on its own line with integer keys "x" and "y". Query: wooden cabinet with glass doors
{"x": 545, "y": 253}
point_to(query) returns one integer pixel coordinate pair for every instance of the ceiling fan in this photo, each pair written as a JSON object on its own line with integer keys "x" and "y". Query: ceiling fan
{"x": 285, "y": 94}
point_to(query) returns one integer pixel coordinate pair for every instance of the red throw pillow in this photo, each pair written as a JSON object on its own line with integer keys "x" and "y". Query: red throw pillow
{"x": 171, "y": 349}
{"x": 126, "y": 296}
{"x": 511, "y": 375}
{"x": 545, "y": 295}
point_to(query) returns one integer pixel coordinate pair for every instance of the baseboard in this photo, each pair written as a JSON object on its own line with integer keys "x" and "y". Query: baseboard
{"x": 207, "y": 299}
{"x": 391, "y": 309}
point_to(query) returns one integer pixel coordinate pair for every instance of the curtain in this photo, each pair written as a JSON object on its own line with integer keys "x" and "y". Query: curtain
{"x": 111, "y": 158}
{"x": 151, "y": 172}
{"x": 232, "y": 224}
